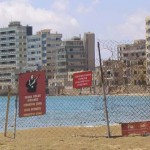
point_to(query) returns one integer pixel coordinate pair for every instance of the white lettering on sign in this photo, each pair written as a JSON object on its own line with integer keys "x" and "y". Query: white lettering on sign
{"x": 35, "y": 108}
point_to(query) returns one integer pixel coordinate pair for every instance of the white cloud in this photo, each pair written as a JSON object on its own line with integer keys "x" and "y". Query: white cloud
{"x": 86, "y": 8}
{"x": 134, "y": 26}
{"x": 60, "y": 5}
{"x": 96, "y": 1}
{"x": 74, "y": 22}
{"x": 83, "y": 9}
{"x": 21, "y": 10}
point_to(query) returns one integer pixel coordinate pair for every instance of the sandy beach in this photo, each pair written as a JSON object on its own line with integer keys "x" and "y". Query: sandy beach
{"x": 72, "y": 138}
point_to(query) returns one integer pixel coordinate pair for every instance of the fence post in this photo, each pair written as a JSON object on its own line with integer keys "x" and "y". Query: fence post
{"x": 7, "y": 111}
{"x": 15, "y": 116}
{"x": 104, "y": 92}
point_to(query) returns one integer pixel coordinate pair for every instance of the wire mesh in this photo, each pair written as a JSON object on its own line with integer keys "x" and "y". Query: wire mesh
{"x": 82, "y": 110}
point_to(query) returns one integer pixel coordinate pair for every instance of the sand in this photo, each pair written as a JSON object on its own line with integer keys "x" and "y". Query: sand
{"x": 72, "y": 138}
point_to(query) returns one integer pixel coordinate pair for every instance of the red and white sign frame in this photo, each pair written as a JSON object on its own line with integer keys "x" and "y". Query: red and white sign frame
{"x": 32, "y": 94}
{"x": 82, "y": 79}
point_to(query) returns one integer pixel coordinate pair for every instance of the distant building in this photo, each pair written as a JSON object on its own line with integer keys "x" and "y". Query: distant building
{"x": 113, "y": 72}
{"x": 61, "y": 63}
{"x": 89, "y": 46}
{"x": 133, "y": 57}
{"x": 76, "y": 54}
{"x": 50, "y": 43}
{"x": 97, "y": 76}
{"x": 34, "y": 52}
{"x": 20, "y": 51}
{"x": 12, "y": 52}
{"x": 42, "y": 51}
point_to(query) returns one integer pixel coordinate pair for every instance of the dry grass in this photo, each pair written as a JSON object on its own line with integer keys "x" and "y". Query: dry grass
{"x": 72, "y": 138}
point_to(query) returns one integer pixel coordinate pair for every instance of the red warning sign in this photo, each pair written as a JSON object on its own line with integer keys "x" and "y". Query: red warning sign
{"x": 135, "y": 128}
{"x": 82, "y": 79}
{"x": 32, "y": 94}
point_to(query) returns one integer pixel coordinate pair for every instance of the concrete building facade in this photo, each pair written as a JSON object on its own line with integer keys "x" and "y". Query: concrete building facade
{"x": 42, "y": 51}
{"x": 34, "y": 52}
{"x": 133, "y": 57}
{"x": 20, "y": 51}
{"x": 76, "y": 54}
{"x": 12, "y": 52}
{"x": 89, "y": 46}
{"x": 113, "y": 72}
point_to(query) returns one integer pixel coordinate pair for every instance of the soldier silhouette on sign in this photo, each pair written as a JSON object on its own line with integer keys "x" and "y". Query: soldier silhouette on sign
{"x": 31, "y": 84}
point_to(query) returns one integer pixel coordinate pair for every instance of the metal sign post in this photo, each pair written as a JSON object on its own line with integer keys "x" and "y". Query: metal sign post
{"x": 104, "y": 92}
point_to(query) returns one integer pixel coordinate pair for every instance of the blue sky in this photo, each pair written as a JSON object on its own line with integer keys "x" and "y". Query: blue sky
{"x": 108, "y": 19}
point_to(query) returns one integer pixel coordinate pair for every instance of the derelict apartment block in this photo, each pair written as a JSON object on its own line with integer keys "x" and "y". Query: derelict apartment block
{"x": 12, "y": 52}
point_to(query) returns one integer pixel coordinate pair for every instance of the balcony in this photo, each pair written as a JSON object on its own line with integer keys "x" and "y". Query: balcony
{"x": 76, "y": 67}
{"x": 5, "y": 76}
{"x": 75, "y": 52}
{"x": 147, "y": 34}
{"x": 61, "y": 60}
{"x": 61, "y": 67}
{"x": 134, "y": 51}
{"x": 147, "y": 42}
{"x": 7, "y": 52}
{"x": 61, "y": 53}
{"x": 8, "y": 64}
{"x": 147, "y": 26}
{"x": 9, "y": 57}
{"x": 7, "y": 47}
{"x": 75, "y": 60}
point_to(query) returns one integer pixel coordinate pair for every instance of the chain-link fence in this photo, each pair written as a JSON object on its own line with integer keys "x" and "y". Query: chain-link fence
{"x": 81, "y": 112}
